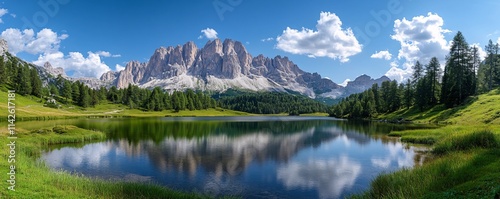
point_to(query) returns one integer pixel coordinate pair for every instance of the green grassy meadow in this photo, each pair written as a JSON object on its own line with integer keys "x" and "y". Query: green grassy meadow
{"x": 464, "y": 160}
{"x": 31, "y": 108}
{"x": 35, "y": 180}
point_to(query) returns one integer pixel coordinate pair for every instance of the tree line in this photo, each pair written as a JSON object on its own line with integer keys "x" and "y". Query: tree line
{"x": 133, "y": 97}
{"x": 272, "y": 103}
{"x": 25, "y": 79}
{"x": 464, "y": 75}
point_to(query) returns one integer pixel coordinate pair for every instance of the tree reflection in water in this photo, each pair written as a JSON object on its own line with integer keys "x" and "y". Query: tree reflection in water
{"x": 328, "y": 157}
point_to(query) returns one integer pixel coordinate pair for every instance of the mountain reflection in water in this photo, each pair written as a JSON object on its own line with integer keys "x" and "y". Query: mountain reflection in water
{"x": 257, "y": 159}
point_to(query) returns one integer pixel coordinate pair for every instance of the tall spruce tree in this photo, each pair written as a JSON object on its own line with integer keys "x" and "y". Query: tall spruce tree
{"x": 36, "y": 83}
{"x": 418, "y": 72}
{"x": 433, "y": 75}
{"x": 22, "y": 81}
{"x": 408, "y": 94}
{"x": 66, "y": 90}
{"x": 492, "y": 50}
{"x": 458, "y": 74}
{"x": 75, "y": 92}
{"x": 53, "y": 90}
{"x": 84, "y": 98}
{"x": 3, "y": 71}
{"x": 155, "y": 103}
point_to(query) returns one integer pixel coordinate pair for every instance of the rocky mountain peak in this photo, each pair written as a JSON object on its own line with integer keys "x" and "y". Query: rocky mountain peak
{"x": 383, "y": 79}
{"x": 363, "y": 78}
{"x": 213, "y": 47}
{"x": 221, "y": 65}
{"x": 54, "y": 71}
{"x": 133, "y": 73}
{"x": 189, "y": 53}
{"x": 109, "y": 76}
{"x": 3, "y": 47}
{"x": 363, "y": 82}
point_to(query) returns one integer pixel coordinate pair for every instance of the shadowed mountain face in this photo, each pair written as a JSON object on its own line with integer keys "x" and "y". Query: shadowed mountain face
{"x": 221, "y": 65}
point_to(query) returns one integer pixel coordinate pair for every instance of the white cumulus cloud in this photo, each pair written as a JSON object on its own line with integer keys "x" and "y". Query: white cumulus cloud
{"x": 344, "y": 84}
{"x": 107, "y": 54}
{"x": 46, "y": 44}
{"x": 329, "y": 40}
{"x": 208, "y": 33}
{"x": 3, "y": 11}
{"x": 267, "y": 39}
{"x": 421, "y": 38}
{"x": 482, "y": 54}
{"x": 75, "y": 63}
{"x": 382, "y": 55}
{"x": 26, "y": 41}
{"x": 399, "y": 73}
{"x": 119, "y": 67}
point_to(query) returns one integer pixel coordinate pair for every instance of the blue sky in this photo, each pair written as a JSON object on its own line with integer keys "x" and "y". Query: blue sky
{"x": 338, "y": 39}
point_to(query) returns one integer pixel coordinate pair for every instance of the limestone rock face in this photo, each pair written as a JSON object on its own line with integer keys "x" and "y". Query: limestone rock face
{"x": 3, "y": 47}
{"x": 109, "y": 76}
{"x": 133, "y": 73}
{"x": 54, "y": 71}
{"x": 259, "y": 65}
{"x": 210, "y": 62}
{"x": 189, "y": 53}
{"x": 220, "y": 65}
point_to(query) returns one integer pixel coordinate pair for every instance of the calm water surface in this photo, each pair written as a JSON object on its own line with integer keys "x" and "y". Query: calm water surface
{"x": 252, "y": 157}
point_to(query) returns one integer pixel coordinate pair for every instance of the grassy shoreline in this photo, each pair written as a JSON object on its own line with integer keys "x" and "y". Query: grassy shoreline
{"x": 464, "y": 165}
{"x": 35, "y": 180}
{"x": 464, "y": 157}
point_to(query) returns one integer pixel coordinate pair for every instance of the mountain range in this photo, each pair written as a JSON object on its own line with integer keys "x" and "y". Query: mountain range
{"x": 221, "y": 65}
{"x": 218, "y": 66}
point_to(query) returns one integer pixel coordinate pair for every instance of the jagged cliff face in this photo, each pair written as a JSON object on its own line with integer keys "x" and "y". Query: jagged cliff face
{"x": 3, "y": 47}
{"x": 133, "y": 74}
{"x": 218, "y": 66}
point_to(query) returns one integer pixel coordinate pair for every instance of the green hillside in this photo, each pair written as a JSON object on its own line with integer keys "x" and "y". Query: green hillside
{"x": 32, "y": 108}
{"x": 481, "y": 109}
{"x": 463, "y": 157}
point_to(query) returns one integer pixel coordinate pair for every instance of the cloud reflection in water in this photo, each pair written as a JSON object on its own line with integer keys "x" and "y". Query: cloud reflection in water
{"x": 329, "y": 177}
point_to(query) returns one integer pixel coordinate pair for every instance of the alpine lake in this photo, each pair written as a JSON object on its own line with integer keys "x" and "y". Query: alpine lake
{"x": 247, "y": 157}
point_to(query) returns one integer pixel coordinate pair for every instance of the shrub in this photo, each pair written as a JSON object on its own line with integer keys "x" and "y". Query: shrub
{"x": 42, "y": 131}
{"x": 60, "y": 129}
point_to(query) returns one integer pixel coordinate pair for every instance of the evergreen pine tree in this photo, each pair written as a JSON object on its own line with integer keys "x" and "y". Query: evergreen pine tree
{"x": 408, "y": 94}
{"x": 36, "y": 83}
{"x": 418, "y": 72}
{"x": 84, "y": 98}
{"x": 67, "y": 90}
{"x": 94, "y": 97}
{"x": 155, "y": 103}
{"x": 3, "y": 71}
{"x": 433, "y": 75}
{"x": 492, "y": 50}
{"x": 75, "y": 92}
{"x": 53, "y": 90}
{"x": 458, "y": 74}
